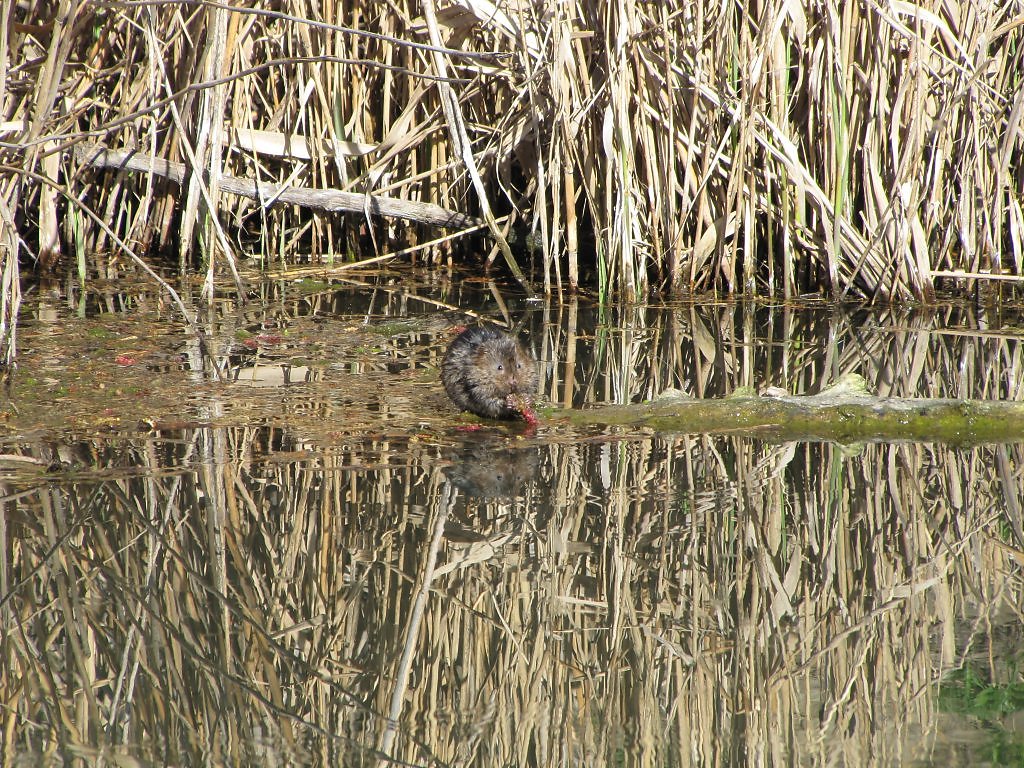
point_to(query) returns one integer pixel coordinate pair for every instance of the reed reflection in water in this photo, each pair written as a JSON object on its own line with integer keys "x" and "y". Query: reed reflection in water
{"x": 354, "y": 580}
{"x": 238, "y": 595}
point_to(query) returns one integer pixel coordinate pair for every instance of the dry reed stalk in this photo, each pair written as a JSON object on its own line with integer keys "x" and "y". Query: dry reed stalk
{"x": 10, "y": 289}
{"x": 775, "y": 148}
{"x": 48, "y": 85}
{"x": 461, "y": 144}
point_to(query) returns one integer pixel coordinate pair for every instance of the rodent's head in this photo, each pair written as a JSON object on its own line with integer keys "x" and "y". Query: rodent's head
{"x": 510, "y": 367}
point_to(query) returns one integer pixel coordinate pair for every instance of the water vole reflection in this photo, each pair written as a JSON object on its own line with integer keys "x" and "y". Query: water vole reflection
{"x": 491, "y": 466}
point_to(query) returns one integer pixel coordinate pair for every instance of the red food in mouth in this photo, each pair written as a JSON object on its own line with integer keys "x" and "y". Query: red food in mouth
{"x": 523, "y": 405}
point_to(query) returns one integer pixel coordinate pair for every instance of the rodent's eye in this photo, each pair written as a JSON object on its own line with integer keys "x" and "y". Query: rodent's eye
{"x": 501, "y": 367}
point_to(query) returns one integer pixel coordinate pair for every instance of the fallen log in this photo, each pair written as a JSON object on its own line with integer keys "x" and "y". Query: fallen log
{"x": 844, "y": 412}
{"x": 331, "y": 200}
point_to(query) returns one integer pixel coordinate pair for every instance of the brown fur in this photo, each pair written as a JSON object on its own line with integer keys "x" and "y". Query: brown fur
{"x": 489, "y": 373}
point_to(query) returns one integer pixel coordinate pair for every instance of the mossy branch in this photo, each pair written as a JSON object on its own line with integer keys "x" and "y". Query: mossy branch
{"x": 844, "y": 412}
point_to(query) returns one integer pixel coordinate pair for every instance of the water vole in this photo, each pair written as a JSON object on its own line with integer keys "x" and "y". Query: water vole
{"x": 489, "y": 373}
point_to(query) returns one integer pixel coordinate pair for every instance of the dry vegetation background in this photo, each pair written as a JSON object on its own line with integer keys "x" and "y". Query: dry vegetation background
{"x": 239, "y": 591}
{"x": 859, "y": 148}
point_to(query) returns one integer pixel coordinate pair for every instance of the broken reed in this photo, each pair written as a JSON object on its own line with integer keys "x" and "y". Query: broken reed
{"x": 770, "y": 147}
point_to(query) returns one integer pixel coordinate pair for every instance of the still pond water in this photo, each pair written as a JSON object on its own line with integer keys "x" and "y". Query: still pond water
{"x": 313, "y": 559}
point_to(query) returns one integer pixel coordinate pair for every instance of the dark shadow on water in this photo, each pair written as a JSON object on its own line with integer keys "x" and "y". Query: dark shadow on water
{"x": 489, "y": 466}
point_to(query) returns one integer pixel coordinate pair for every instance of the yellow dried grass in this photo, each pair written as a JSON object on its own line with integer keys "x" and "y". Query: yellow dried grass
{"x": 776, "y": 148}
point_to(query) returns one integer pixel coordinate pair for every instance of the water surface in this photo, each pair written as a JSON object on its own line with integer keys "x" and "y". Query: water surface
{"x": 285, "y": 546}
